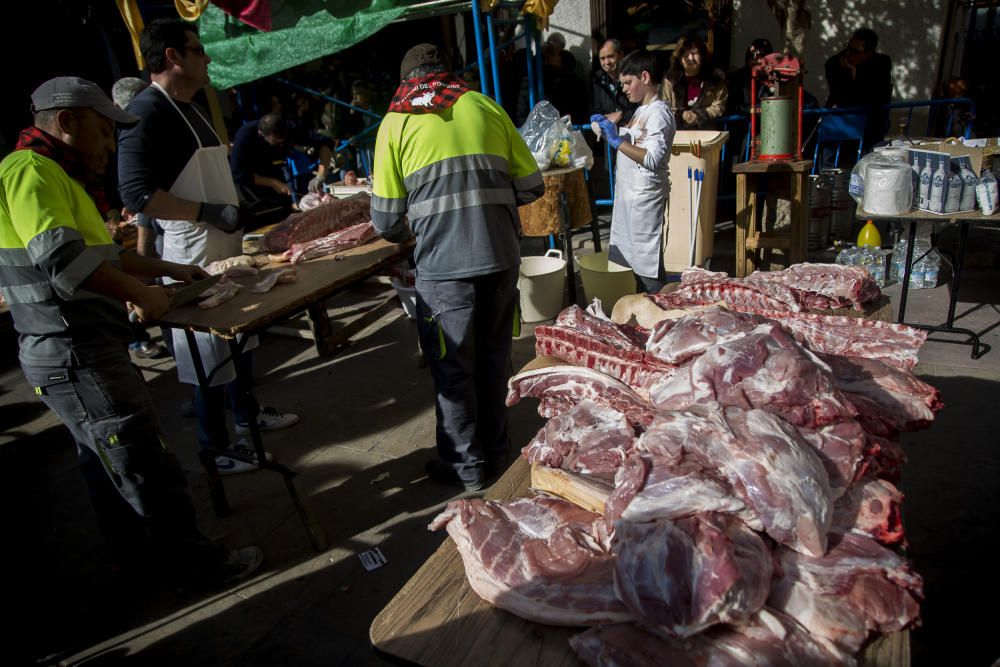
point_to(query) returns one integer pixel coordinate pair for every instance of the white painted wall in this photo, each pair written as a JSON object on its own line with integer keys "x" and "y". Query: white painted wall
{"x": 572, "y": 19}
{"x": 910, "y": 32}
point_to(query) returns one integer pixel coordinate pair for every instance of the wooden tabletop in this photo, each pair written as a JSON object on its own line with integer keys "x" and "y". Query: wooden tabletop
{"x": 437, "y": 620}
{"x": 917, "y": 214}
{"x": 772, "y": 166}
{"x": 317, "y": 279}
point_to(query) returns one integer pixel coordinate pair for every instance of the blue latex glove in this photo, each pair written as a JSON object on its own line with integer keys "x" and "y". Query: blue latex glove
{"x": 610, "y": 133}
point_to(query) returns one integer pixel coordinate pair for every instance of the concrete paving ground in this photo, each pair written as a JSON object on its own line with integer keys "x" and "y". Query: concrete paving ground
{"x": 367, "y": 428}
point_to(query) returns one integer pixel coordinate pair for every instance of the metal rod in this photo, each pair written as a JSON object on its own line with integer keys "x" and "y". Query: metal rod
{"x": 484, "y": 82}
{"x": 493, "y": 58}
{"x": 753, "y": 117}
{"x": 538, "y": 64}
{"x": 529, "y": 27}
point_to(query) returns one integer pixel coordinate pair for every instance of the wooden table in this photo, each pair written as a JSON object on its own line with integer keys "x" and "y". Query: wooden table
{"x": 439, "y": 621}
{"x": 749, "y": 236}
{"x": 964, "y": 220}
{"x": 249, "y": 313}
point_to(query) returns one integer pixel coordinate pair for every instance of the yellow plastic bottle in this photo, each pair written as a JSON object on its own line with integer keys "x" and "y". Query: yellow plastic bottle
{"x": 869, "y": 236}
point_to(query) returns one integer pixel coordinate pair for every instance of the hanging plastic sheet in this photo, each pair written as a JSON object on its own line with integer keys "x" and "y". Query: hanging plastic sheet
{"x": 301, "y": 30}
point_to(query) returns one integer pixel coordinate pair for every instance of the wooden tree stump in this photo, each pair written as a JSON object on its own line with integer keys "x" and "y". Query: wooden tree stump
{"x": 543, "y": 217}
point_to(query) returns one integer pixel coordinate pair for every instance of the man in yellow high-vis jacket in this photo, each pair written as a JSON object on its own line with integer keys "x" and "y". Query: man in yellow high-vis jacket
{"x": 67, "y": 283}
{"x": 450, "y": 160}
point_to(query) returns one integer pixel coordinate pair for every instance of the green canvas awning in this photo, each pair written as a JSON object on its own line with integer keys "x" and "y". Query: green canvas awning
{"x": 302, "y": 30}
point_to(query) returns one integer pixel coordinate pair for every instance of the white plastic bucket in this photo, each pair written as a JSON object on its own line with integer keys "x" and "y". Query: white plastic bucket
{"x": 542, "y": 282}
{"x": 407, "y": 297}
{"x": 604, "y": 280}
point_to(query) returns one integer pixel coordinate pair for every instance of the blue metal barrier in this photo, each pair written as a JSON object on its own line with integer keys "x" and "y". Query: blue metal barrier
{"x": 837, "y": 131}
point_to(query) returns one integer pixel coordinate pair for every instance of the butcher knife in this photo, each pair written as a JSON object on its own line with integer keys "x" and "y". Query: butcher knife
{"x": 189, "y": 293}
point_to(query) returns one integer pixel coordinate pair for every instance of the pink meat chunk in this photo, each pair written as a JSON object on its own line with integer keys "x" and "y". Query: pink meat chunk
{"x": 770, "y": 638}
{"x": 887, "y": 398}
{"x": 765, "y": 369}
{"x": 543, "y": 559}
{"x": 589, "y": 439}
{"x": 685, "y": 575}
{"x": 318, "y": 222}
{"x": 559, "y": 388}
{"x": 858, "y": 587}
{"x": 763, "y": 459}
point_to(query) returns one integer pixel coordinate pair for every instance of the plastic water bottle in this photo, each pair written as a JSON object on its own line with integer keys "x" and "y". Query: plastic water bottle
{"x": 848, "y": 256}
{"x": 937, "y": 187}
{"x": 917, "y": 275}
{"x": 898, "y": 260}
{"x": 926, "y": 173}
{"x": 873, "y": 260}
{"x": 969, "y": 181}
{"x": 954, "y": 198}
{"x": 932, "y": 264}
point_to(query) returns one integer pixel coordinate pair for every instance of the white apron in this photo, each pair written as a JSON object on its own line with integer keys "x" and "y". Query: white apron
{"x": 205, "y": 178}
{"x": 640, "y": 198}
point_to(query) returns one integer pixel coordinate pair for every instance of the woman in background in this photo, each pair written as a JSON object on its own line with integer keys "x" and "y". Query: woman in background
{"x": 695, "y": 92}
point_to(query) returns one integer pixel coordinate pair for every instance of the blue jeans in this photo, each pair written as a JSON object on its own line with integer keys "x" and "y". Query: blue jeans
{"x": 210, "y": 405}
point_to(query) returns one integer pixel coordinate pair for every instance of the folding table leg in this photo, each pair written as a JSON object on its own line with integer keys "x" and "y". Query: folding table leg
{"x": 216, "y": 490}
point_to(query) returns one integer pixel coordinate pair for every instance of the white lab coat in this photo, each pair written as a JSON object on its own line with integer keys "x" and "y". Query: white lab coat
{"x": 205, "y": 178}
{"x": 642, "y": 190}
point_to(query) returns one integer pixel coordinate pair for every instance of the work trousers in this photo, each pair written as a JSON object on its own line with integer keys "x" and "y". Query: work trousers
{"x": 138, "y": 490}
{"x": 465, "y": 329}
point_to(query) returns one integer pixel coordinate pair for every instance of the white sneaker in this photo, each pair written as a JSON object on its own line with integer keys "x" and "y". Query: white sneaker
{"x": 269, "y": 419}
{"x": 228, "y": 466}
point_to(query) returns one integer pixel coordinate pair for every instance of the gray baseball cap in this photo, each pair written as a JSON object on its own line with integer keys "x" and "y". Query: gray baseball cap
{"x": 72, "y": 92}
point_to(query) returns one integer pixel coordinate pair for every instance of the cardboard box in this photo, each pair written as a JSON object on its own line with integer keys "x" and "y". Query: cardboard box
{"x": 919, "y": 156}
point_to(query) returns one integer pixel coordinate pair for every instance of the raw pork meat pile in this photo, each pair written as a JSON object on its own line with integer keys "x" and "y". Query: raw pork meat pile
{"x": 797, "y": 288}
{"x": 317, "y": 222}
{"x": 349, "y": 237}
{"x": 746, "y": 466}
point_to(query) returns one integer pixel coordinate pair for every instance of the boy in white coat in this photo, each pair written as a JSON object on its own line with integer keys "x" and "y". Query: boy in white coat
{"x": 642, "y": 185}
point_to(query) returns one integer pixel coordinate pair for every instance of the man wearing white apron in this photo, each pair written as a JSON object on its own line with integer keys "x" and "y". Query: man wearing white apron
{"x": 174, "y": 167}
{"x": 642, "y": 186}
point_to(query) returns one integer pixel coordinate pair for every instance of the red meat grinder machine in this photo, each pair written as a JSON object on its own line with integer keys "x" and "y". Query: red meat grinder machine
{"x": 780, "y": 126}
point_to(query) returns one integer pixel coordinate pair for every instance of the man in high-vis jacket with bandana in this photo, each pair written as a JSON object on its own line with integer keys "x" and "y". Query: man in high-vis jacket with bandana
{"x": 449, "y": 160}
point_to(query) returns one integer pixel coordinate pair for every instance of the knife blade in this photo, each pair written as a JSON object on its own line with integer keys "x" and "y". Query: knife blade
{"x": 189, "y": 293}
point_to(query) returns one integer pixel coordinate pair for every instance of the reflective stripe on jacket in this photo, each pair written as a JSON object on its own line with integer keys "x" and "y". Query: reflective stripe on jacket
{"x": 458, "y": 176}
{"x": 52, "y": 238}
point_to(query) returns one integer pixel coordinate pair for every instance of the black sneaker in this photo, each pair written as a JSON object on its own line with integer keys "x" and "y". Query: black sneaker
{"x": 442, "y": 473}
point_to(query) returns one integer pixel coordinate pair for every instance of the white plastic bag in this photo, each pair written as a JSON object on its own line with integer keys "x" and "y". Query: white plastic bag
{"x": 856, "y": 188}
{"x": 582, "y": 155}
{"x": 538, "y": 125}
